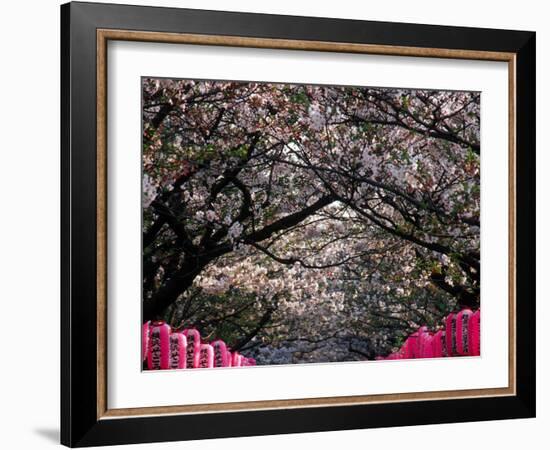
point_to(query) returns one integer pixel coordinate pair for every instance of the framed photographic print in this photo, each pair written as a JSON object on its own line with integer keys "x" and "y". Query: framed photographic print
{"x": 276, "y": 224}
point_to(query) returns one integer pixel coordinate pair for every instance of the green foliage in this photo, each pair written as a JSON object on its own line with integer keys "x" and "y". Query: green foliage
{"x": 300, "y": 98}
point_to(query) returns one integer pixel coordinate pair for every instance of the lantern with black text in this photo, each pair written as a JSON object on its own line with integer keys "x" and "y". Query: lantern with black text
{"x": 220, "y": 353}
{"x": 462, "y": 331}
{"x": 450, "y": 334}
{"x": 206, "y": 356}
{"x": 159, "y": 346}
{"x": 178, "y": 351}
{"x": 193, "y": 347}
{"x": 438, "y": 345}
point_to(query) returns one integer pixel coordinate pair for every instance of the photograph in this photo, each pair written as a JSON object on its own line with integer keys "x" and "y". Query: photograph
{"x": 297, "y": 223}
{"x": 273, "y": 221}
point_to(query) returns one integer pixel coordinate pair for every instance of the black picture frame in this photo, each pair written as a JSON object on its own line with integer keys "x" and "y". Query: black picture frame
{"x": 80, "y": 424}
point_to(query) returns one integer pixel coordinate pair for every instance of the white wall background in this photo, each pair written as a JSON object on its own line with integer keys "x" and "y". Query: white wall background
{"x": 29, "y": 224}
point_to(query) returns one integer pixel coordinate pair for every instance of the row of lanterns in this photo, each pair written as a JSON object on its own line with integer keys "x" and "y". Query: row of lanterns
{"x": 459, "y": 337}
{"x": 164, "y": 348}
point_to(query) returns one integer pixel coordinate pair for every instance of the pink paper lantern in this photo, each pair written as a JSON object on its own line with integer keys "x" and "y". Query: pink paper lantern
{"x": 236, "y": 360}
{"x": 408, "y": 350}
{"x": 248, "y": 361}
{"x": 220, "y": 353}
{"x": 159, "y": 346}
{"x": 145, "y": 333}
{"x": 438, "y": 345}
{"x": 178, "y": 351}
{"x": 450, "y": 335}
{"x": 462, "y": 326}
{"x": 193, "y": 347}
{"x": 415, "y": 343}
{"x": 474, "y": 334}
{"x": 206, "y": 356}
{"x": 228, "y": 358}
{"x": 424, "y": 344}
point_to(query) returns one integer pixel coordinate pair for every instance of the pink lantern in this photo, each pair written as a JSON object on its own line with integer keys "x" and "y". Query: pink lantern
{"x": 248, "y": 361}
{"x": 408, "y": 350}
{"x": 145, "y": 333}
{"x": 220, "y": 353}
{"x": 462, "y": 325}
{"x": 228, "y": 358}
{"x": 438, "y": 345}
{"x": 159, "y": 346}
{"x": 193, "y": 347}
{"x": 178, "y": 351}
{"x": 474, "y": 334}
{"x": 236, "y": 360}
{"x": 424, "y": 343}
{"x": 206, "y": 358}
{"x": 415, "y": 345}
{"x": 450, "y": 334}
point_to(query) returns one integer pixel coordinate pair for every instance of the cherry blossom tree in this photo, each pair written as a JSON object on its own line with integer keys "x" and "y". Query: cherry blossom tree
{"x": 308, "y": 223}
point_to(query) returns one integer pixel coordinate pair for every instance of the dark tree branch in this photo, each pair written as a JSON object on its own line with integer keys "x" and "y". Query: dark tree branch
{"x": 249, "y": 336}
{"x": 289, "y": 220}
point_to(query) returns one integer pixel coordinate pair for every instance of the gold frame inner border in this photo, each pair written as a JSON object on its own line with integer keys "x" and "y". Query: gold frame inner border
{"x": 105, "y": 35}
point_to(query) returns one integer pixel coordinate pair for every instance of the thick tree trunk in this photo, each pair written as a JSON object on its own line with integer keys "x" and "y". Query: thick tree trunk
{"x": 182, "y": 279}
{"x": 172, "y": 288}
